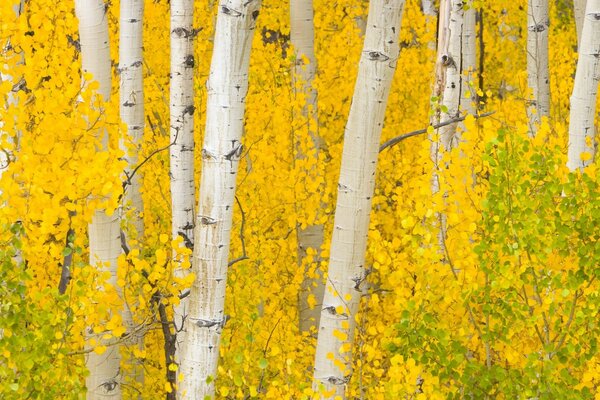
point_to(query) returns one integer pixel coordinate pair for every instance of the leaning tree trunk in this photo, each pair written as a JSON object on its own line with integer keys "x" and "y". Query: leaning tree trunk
{"x": 579, "y": 11}
{"x": 347, "y": 273}
{"x": 131, "y": 102}
{"x": 182, "y": 148}
{"x": 305, "y": 66}
{"x": 538, "y": 76}
{"x": 227, "y": 88}
{"x": 104, "y": 381}
{"x": 585, "y": 90}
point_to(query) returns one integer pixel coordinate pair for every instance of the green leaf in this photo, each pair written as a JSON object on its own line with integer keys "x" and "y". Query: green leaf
{"x": 263, "y": 363}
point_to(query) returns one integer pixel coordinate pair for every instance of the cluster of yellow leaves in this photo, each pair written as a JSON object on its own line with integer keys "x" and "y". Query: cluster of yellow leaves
{"x": 58, "y": 178}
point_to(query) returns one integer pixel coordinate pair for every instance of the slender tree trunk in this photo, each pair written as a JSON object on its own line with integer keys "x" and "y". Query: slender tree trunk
{"x": 585, "y": 90}
{"x": 347, "y": 272}
{"x": 468, "y": 90}
{"x": 182, "y": 137}
{"x": 104, "y": 381}
{"x": 538, "y": 76}
{"x": 132, "y": 114}
{"x": 428, "y": 8}
{"x": 579, "y": 11}
{"x": 450, "y": 57}
{"x": 227, "y": 89}
{"x": 305, "y": 66}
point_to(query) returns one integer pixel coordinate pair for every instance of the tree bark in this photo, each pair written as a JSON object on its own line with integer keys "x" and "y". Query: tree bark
{"x": 468, "y": 88}
{"x": 304, "y": 70}
{"x": 579, "y": 11}
{"x": 104, "y": 380}
{"x": 227, "y": 89}
{"x": 131, "y": 100}
{"x": 347, "y": 272}
{"x": 585, "y": 90}
{"x": 182, "y": 150}
{"x": 538, "y": 76}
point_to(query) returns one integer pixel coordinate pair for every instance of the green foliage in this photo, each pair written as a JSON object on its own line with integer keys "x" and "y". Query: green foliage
{"x": 34, "y": 359}
{"x": 529, "y": 304}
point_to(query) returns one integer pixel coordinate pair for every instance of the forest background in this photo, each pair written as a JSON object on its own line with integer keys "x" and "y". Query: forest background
{"x": 506, "y": 307}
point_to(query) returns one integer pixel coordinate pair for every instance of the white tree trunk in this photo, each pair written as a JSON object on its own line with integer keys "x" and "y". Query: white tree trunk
{"x": 450, "y": 56}
{"x": 585, "y": 90}
{"x": 227, "y": 88}
{"x": 468, "y": 91}
{"x": 538, "y": 76}
{"x": 104, "y": 381}
{"x": 302, "y": 34}
{"x": 182, "y": 137}
{"x": 132, "y": 114}
{"x": 579, "y": 11}
{"x": 132, "y": 99}
{"x": 347, "y": 272}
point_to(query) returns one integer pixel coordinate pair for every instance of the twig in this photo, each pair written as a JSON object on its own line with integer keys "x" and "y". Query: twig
{"x": 65, "y": 273}
{"x": 398, "y": 139}
{"x": 243, "y": 256}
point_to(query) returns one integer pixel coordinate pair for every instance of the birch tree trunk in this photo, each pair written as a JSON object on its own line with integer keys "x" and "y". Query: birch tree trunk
{"x": 182, "y": 137}
{"x": 538, "y": 76}
{"x": 305, "y": 66}
{"x": 579, "y": 11}
{"x": 104, "y": 380}
{"x": 345, "y": 282}
{"x": 132, "y": 114}
{"x": 585, "y": 90}
{"x": 227, "y": 87}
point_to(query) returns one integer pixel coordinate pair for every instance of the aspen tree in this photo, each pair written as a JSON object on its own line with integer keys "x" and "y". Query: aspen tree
{"x": 305, "y": 66}
{"x": 538, "y": 76}
{"x": 347, "y": 272}
{"x": 585, "y": 90}
{"x": 182, "y": 139}
{"x": 104, "y": 380}
{"x": 227, "y": 87}
{"x": 468, "y": 92}
{"x": 131, "y": 107}
{"x": 132, "y": 99}
{"x": 579, "y": 11}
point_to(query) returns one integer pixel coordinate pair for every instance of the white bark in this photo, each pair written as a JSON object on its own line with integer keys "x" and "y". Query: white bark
{"x": 538, "y": 76}
{"x": 347, "y": 271}
{"x": 104, "y": 381}
{"x": 468, "y": 91}
{"x": 132, "y": 99}
{"x": 585, "y": 90}
{"x": 227, "y": 89}
{"x": 182, "y": 137}
{"x": 303, "y": 40}
{"x": 450, "y": 57}
{"x": 132, "y": 114}
{"x": 428, "y": 8}
{"x": 579, "y": 11}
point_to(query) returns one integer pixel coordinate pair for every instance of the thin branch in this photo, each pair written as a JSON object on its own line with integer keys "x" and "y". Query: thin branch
{"x": 65, "y": 273}
{"x": 398, "y": 139}
{"x": 243, "y": 256}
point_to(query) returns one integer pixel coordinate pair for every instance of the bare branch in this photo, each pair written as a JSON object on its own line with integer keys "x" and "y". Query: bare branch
{"x": 398, "y": 139}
